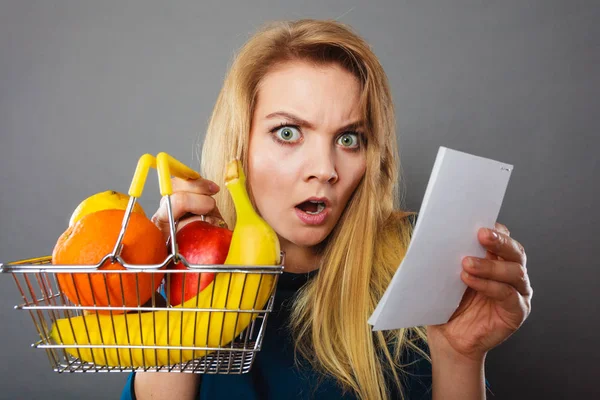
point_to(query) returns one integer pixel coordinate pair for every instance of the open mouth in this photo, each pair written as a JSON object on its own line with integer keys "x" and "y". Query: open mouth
{"x": 312, "y": 207}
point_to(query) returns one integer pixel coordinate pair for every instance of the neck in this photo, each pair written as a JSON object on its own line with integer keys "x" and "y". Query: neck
{"x": 298, "y": 259}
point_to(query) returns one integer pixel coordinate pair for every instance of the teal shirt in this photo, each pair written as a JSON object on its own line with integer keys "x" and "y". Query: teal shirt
{"x": 274, "y": 374}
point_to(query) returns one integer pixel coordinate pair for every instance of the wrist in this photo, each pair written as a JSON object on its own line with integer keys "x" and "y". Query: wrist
{"x": 441, "y": 350}
{"x": 446, "y": 354}
{"x": 456, "y": 376}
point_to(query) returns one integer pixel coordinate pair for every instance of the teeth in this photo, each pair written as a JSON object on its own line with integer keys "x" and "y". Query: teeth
{"x": 320, "y": 207}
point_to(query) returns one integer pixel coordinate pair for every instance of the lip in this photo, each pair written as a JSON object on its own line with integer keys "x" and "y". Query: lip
{"x": 324, "y": 200}
{"x": 310, "y": 219}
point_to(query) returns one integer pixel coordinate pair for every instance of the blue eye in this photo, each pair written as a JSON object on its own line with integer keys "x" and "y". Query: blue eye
{"x": 349, "y": 140}
{"x": 288, "y": 134}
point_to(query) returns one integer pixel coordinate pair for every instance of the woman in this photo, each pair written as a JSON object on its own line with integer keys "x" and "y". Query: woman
{"x": 307, "y": 107}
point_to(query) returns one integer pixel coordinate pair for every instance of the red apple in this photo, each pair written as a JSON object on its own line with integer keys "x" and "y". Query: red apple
{"x": 199, "y": 243}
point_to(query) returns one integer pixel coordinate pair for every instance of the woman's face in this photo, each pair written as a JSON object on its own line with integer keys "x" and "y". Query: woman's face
{"x": 306, "y": 154}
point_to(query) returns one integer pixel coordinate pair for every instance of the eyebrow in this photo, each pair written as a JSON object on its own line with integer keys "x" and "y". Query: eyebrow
{"x": 305, "y": 124}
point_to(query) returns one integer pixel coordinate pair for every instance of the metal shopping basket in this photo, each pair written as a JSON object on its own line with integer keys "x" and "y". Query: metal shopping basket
{"x": 56, "y": 316}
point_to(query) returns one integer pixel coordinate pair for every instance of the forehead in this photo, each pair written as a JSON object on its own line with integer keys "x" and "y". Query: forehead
{"x": 321, "y": 93}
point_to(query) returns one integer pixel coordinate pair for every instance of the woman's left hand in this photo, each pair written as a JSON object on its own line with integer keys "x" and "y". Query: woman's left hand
{"x": 496, "y": 302}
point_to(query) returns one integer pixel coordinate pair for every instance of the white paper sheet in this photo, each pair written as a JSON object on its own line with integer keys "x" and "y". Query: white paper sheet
{"x": 464, "y": 193}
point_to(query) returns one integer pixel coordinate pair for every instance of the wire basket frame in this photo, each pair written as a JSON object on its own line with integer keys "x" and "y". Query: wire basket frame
{"x": 37, "y": 282}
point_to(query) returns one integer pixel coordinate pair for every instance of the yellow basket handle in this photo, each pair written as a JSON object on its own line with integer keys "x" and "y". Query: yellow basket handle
{"x": 167, "y": 166}
{"x": 144, "y": 164}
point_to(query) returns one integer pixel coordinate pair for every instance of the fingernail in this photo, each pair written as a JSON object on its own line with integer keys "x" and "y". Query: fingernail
{"x": 214, "y": 187}
{"x": 470, "y": 262}
{"x": 156, "y": 217}
{"x": 493, "y": 235}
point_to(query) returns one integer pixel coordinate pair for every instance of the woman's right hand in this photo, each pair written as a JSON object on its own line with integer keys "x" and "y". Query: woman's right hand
{"x": 190, "y": 197}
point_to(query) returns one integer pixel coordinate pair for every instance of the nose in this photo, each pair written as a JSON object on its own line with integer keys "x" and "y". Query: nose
{"x": 321, "y": 165}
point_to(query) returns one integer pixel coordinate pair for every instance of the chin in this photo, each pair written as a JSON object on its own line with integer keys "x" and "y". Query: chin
{"x": 308, "y": 242}
{"x": 308, "y": 239}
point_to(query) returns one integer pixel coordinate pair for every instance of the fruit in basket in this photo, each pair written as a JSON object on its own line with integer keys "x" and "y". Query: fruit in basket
{"x": 107, "y": 200}
{"x": 199, "y": 243}
{"x": 253, "y": 242}
{"x": 93, "y": 237}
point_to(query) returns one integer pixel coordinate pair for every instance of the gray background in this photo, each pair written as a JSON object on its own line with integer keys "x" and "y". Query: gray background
{"x": 88, "y": 87}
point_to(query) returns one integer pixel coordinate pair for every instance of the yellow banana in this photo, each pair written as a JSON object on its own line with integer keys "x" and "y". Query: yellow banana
{"x": 253, "y": 243}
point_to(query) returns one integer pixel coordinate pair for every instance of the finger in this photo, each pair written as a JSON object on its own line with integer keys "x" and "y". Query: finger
{"x": 182, "y": 203}
{"x": 215, "y": 220}
{"x": 211, "y": 219}
{"x": 516, "y": 307}
{"x": 502, "y": 228}
{"x": 504, "y": 293}
{"x": 192, "y": 213}
{"x": 200, "y": 185}
{"x": 490, "y": 256}
{"x": 502, "y": 246}
{"x": 507, "y": 272}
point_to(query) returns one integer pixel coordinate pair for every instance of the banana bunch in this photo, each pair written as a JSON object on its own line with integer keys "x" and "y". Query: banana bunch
{"x": 253, "y": 243}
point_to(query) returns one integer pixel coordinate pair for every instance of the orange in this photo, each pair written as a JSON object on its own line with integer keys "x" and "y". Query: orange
{"x": 94, "y": 236}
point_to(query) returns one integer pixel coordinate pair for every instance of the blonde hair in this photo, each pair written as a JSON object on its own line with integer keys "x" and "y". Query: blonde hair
{"x": 360, "y": 256}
